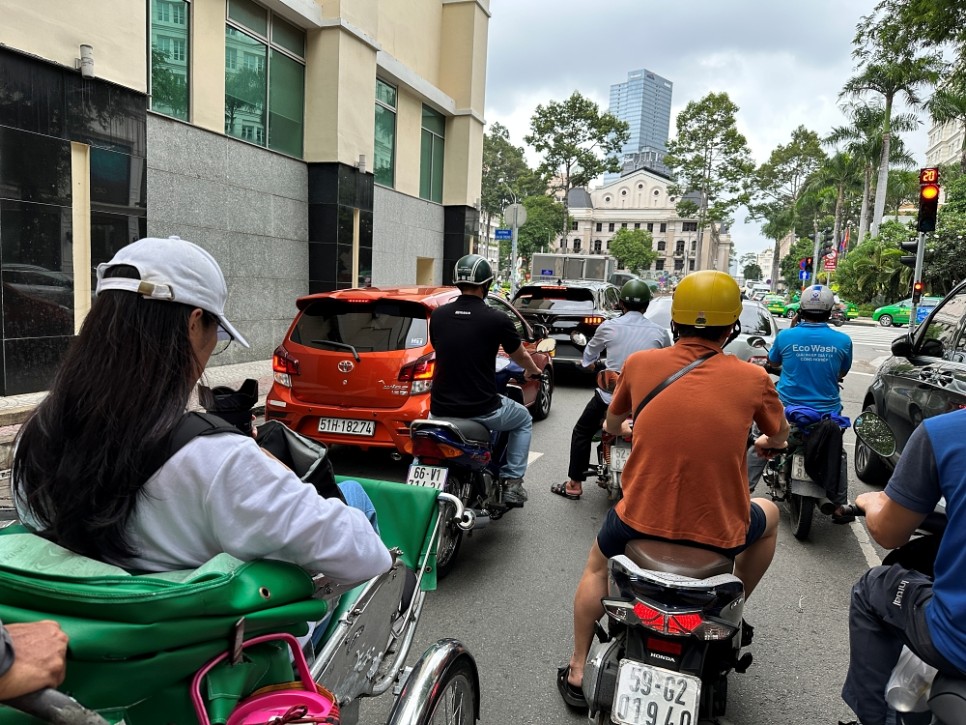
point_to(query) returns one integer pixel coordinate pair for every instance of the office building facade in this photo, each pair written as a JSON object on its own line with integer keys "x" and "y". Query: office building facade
{"x": 643, "y": 101}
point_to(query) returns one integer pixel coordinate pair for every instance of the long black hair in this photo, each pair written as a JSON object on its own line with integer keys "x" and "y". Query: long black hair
{"x": 83, "y": 457}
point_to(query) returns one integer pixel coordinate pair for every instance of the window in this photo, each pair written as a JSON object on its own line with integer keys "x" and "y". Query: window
{"x": 623, "y": 192}
{"x": 659, "y": 265}
{"x": 597, "y": 246}
{"x": 637, "y": 225}
{"x": 650, "y": 226}
{"x": 694, "y": 244}
{"x": 690, "y": 265}
{"x": 689, "y": 226}
{"x": 661, "y": 246}
{"x": 678, "y": 265}
{"x": 264, "y": 78}
{"x": 600, "y": 226}
{"x": 939, "y": 339}
{"x": 563, "y": 243}
{"x": 169, "y": 58}
{"x": 431, "y": 155}
{"x": 384, "y": 153}
{"x": 679, "y": 247}
{"x": 610, "y": 227}
{"x": 573, "y": 226}
{"x": 501, "y": 306}
{"x": 663, "y": 227}
{"x": 576, "y": 245}
{"x": 623, "y": 225}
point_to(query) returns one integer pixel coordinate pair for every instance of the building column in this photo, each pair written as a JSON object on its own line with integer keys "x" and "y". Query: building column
{"x": 461, "y": 233}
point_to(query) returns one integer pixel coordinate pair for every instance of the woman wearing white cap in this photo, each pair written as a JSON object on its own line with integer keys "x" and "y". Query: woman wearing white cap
{"x": 86, "y": 469}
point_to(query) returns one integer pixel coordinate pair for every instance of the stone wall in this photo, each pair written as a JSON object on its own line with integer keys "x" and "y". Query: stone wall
{"x": 404, "y": 228}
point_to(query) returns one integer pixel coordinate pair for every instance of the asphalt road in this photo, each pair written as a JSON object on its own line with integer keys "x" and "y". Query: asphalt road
{"x": 510, "y": 598}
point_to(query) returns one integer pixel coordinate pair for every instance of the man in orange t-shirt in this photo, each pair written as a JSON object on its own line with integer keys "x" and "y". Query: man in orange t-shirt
{"x": 686, "y": 479}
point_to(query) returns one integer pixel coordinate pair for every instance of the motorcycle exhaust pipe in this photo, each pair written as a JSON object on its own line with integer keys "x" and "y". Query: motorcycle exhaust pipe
{"x": 480, "y": 518}
{"x": 396, "y": 456}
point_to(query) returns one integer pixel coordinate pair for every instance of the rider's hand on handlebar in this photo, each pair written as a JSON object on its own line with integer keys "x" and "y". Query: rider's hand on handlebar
{"x": 39, "y": 661}
{"x": 764, "y": 447}
{"x": 532, "y": 375}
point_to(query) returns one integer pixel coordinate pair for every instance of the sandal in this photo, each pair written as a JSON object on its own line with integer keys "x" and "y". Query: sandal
{"x": 572, "y": 696}
{"x": 561, "y": 490}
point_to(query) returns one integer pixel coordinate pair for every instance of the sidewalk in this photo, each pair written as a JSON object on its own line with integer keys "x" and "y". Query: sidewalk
{"x": 15, "y": 409}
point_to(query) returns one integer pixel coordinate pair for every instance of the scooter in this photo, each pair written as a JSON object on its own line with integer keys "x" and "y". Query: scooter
{"x": 462, "y": 458}
{"x": 946, "y": 702}
{"x": 361, "y": 649}
{"x": 673, "y": 634}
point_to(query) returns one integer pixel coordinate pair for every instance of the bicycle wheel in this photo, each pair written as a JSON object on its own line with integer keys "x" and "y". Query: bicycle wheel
{"x": 454, "y": 702}
{"x": 442, "y": 689}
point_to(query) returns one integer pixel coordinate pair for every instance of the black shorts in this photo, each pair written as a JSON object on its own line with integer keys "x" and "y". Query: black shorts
{"x": 614, "y": 535}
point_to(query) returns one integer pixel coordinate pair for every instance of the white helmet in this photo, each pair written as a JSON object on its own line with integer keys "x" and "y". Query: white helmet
{"x": 817, "y": 298}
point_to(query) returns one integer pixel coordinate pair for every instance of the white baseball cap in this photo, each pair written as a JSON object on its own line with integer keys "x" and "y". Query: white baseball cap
{"x": 175, "y": 270}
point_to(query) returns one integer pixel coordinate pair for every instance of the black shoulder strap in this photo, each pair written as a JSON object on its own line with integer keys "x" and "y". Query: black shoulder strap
{"x": 667, "y": 381}
{"x": 190, "y": 426}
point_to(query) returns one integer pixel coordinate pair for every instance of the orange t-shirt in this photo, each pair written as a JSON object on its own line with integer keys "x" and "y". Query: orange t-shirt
{"x": 686, "y": 478}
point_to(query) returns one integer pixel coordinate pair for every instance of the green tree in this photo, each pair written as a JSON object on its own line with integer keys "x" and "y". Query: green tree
{"x": 752, "y": 271}
{"x": 169, "y": 87}
{"x": 506, "y": 174}
{"x": 578, "y": 143}
{"x": 712, "y": 163}
{"x": 891, "y": 71}
{"x": 839, "y": 178}
{"x": 545, "y": 217}
{"x": 872, "y": 271}
{"x": 903, "y": 189}
{"x": 779, "y": 183}
{"x": 633, "y": 249}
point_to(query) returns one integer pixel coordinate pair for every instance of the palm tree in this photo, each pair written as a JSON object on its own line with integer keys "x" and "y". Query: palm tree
{"x": 864, "y": 140}
{"x": 842, "y": 175}
{"x": 891, "y": 75}
{"x": 948, "y": 105}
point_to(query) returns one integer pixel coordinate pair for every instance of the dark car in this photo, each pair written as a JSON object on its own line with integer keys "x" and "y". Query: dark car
{"x": 356, "y": 366}
{"x": 925, "y": 376}
{"x": 571, "y": 310}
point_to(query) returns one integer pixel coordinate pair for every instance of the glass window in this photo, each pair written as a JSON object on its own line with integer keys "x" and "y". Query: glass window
{"x": 573, "y": 226}
{"x": 637, "y": 225}
{"x": 384, "y": 153}
{"x": 576, "y": 245}
{"x": 650, "y": 226}
{"x": 378, "y": 326}
{"x": 555, "y": 298}
{"x": 501, "y": 306}
{"x": 431, "y": 156}
{"x": 661, "y": 246}
{"x": 663, "y": 227}
{"x": 659, "y": 265}
{"x": 169, "y": 58}
{"x": 600, "y": 226}
{"x": 610, "y": 227}
{"x": 623, "y": 225}
{"x": 939, "y": 338}
{"x": 264, "y": 80}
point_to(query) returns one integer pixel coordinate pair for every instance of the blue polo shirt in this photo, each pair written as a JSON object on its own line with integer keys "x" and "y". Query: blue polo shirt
{"x": 933, "y": 465}
{"x": 813, "y": 357}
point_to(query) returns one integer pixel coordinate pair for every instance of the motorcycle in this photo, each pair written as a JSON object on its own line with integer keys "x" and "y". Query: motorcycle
{"x": 946, "y": 700}
{"x": 462, "y": 458}
{"x": 788, "y": 482}
{"x": 612, "y": 454}
{"x": 673, "y": 634}
{"x": 359, "y": 649}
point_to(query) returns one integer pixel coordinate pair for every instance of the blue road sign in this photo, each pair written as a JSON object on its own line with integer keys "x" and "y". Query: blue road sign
{"x": 804, "y": 275}
{"x": 546, "y": 272}
{"x": 503, "y": 234}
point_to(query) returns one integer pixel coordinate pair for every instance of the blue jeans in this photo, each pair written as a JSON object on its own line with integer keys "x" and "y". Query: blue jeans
{"x": 356, "y": 497}
{"x": 514, "y": 418}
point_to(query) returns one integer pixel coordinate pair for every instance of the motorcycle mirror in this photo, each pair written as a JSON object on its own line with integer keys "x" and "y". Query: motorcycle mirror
{"x": 547, "y": 345}
{"x": 539, "y": 332}
{"x": 875, "y": 433}
{"x": 756, "y": 341}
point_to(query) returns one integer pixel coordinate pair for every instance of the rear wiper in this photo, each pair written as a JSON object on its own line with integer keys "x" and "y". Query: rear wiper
{"x": 342, "y": 345}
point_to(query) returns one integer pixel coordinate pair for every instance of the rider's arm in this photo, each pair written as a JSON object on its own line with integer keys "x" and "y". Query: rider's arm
{"x": 32, "y": 657}
{"x": 770, "y": 418}
{"x": 596, "y": 345}
{"x": 913, "y": 491}
{"x": 522, "y": 358}
{"x": 620, "y": 404}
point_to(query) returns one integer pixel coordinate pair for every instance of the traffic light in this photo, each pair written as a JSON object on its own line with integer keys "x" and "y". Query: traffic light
{"x": 928, "y": 199}
{"x": 828, "y": 244}
{"x": 808, "y": 263}
{"x": 909, "y": 259}
{"x": 917, "y": 288}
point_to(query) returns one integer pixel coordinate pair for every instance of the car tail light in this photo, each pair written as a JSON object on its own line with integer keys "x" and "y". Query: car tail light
{"x": 427, "y": 448}
{"x": 758, "y": 360}
{"x": 594, "y": 320}
{"x": 420, "y": 373}
{"x": 284, "y": 365}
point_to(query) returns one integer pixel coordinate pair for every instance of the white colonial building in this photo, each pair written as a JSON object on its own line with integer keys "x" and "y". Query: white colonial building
{"x": 640, "y": 200}
{"x": 945, "y": 144}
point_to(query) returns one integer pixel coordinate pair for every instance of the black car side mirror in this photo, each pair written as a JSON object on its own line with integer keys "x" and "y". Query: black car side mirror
{"x": 539, "y": 332}
{"x": 902, "y": 346}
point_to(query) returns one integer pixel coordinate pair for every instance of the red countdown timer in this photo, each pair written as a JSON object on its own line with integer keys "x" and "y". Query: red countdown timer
{"x": 929, "y": 176}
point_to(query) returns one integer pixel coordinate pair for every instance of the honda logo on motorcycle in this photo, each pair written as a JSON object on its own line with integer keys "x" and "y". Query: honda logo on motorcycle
{"x": 346, "y": 366}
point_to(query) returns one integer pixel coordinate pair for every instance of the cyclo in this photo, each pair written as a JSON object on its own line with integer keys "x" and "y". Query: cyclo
{"x": 213, "y": 645}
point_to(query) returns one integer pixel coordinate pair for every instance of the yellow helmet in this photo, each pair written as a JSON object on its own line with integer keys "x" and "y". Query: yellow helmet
{"x": 706, "y": 299}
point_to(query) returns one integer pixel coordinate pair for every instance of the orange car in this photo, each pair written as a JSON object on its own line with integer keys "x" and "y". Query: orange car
{"x": 356, "y": 366}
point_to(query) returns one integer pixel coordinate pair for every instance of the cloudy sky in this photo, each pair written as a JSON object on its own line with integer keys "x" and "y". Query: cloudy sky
{"x": 783, "y": 62}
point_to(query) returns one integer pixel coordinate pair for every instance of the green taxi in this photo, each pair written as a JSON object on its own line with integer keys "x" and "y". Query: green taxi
{"x": 897, "y": 313}
{"x": 775, "y": 304}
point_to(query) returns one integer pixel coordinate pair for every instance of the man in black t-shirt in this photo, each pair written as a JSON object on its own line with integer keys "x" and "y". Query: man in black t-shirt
{"x": 467, "y": 334}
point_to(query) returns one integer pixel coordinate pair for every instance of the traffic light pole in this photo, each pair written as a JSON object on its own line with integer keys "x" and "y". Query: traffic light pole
{"x": 815, "y": 257}
{"x": 917, "y": 276}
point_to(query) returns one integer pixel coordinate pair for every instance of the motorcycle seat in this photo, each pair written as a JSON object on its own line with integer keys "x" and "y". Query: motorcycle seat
{"x": 947, "y": 698}
{"x": 677, "y": 558}
{"x": 471, "y": 430}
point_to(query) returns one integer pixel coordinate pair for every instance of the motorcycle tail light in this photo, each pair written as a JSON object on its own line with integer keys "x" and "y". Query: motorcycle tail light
{"x": 662, "y": 645}
{"x": 594, "y": 320}
{"x": 284, "y": 366}
{"x": 424, "y": 447}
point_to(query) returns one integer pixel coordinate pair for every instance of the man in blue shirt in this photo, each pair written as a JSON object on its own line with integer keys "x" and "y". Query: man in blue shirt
{"x": 812, "y": 359}
{"x": 892, "y": 605}
{"x": 620, "y": 337}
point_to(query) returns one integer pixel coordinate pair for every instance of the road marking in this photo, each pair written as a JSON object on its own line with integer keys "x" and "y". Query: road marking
{"x": 865, "y": 544}
{"x": 856, "y": 372}
{"x": 533, "y": 455}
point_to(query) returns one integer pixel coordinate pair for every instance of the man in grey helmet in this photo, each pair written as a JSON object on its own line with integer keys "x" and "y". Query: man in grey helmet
{"x": 467, "y": 334}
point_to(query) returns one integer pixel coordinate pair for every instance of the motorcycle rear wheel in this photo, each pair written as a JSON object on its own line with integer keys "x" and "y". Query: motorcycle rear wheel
{"x": 801, "y": 509}
{"x": 451, "y": 535}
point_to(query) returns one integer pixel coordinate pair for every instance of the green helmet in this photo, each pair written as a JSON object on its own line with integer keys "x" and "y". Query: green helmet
{"x": 472, "y": 269}
{"x": 635, "y": 293}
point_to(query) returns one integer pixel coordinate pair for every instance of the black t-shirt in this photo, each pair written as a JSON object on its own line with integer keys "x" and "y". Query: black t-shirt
{"x": 467, "y": 335}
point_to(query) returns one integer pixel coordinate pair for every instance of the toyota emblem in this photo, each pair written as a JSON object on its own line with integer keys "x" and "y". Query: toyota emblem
{"x": 345, "y": 366}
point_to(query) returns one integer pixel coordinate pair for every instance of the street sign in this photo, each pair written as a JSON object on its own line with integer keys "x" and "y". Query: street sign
{"x": 804, "y": 275}
{"x": 831, "y": 260}
{"x": 503, "y": 234}
{"x": 515, "y": 215}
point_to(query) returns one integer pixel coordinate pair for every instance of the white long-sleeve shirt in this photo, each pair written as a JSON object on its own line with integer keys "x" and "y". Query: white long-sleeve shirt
{"x": 221, "y": 493}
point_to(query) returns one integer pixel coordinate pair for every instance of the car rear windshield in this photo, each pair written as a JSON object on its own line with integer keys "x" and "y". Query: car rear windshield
{"x": 558, "y": 299}
{"x": 755, "y": 321}
{"x": 365, "y": 326}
